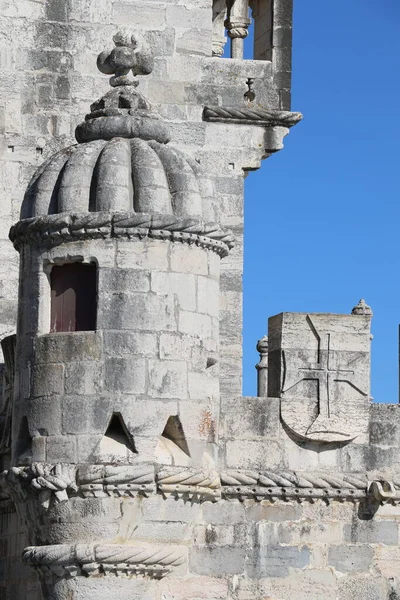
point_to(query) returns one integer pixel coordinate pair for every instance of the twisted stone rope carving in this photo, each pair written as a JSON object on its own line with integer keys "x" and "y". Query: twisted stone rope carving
{"x": 99, "y": 480}
{"x": 189, "y": 482}
{"x": 293, "y": 479}
{"x": 62, "y": 227}
{"x": 292, "y": 484}
{"x": 45, "y": 479}
{"x": 255, "y": 115}
{"x": 92, "y": 559}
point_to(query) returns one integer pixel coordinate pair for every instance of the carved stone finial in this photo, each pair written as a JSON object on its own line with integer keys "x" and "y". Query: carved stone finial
{"x": 125, "y": 58}
{"x": 362, "y": 308}
{"x": 129, "y": 114}
{"x": 262, "y": 345}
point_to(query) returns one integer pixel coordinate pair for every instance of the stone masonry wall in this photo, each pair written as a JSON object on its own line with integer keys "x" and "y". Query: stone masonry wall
{"x": 48, "y": 80}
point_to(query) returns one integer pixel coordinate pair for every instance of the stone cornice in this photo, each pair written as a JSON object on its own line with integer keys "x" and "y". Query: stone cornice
{"x": 192, "y": 484}
{"x": 59, "y": 228}
{"x": 251, "y": 116}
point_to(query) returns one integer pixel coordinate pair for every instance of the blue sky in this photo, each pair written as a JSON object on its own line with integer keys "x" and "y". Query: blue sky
{"x": 322, "y": 217}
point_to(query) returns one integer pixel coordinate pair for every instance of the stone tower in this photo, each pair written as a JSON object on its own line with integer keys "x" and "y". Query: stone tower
{"x": 132, "y": 466}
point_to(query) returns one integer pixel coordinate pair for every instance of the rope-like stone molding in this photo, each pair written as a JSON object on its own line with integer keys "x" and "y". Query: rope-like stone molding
{"x": 106, "y": 480}
{"x": 252, "y": 116}
{"x": 47, "y": 480}
{"x": 95, "y": 559}
{"x": 189, "y": 483}
{"x": 58, "y": 228}
{"x": 269, "y": 484}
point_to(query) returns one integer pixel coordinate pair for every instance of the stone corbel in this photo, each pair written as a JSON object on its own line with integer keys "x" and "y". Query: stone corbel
{"x": 48, "y": 481}
{"x": 383, "y": 491}
{"x": 276, "y": 123}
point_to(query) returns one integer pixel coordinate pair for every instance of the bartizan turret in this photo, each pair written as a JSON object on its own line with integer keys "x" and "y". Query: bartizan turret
{"x": 117, "y": 374}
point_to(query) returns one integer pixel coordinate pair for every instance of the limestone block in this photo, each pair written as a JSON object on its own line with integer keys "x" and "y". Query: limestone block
{"x": 319, "y": 364}
{"x": 125, "y": 375}
{"x": 144, "y": 312}
{"x": 362, "y": 587}
{"x": 387, "y": 560}
{"x": 195, "y": 588}
{"x": 61, "y": 448}
{"x": 157, "y": 508}
{"x": 167, "y": 92}
{"x": 351, "y": 558}
{"x": 181, "y": 284}
{"x": 372, "y": 532}
{"x": 248, "y": 454}
{"x": 277, "y": 561}
{"x": 309, "y": 532}
{"x": 84, "y": 378}
{"x": 145, "y": 417}
{"x": 199, "y": 421}
{"x": 207, "y": 296}
{"x": 385, "y": 424}
{"x": 47, "y": 380}
{"x": 124, "y": 280}
{"x": 220, "y": 535}
{"x": 310, "y": 584}
{"x": 251, "y": 418}
{"x": 214, "y": 265}
{"x": 167, "y": 379}
{"x": 264, "y": 511}
{"x": 217, "y": 562}
{"x": 121, "y": 343}
{"x": 262, "y": 535}
{"x": 167, "y": 532}
{"x": 68, "y": 347}
{"x": 223, "y": 512}
{"x": 195, "y": 324}
{"x": 148, "y": 254}
{"x": 194, "y": 41}
{"x": 203, "y": 385}
{"x": 44, "y": 416}
{"x": 178, "y": 346}
{"x": 190, "y": 259}
{"x": 145, "y": 15}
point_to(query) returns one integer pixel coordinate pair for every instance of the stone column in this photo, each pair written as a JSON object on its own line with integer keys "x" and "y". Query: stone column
{"x": 262, "y": 368}
{"x": 237, "y": 25}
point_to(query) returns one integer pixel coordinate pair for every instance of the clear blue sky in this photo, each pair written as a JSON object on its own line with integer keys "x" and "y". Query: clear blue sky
{"x": 322, "y": 217}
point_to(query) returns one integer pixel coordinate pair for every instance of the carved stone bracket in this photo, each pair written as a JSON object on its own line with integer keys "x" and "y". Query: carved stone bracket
{"x": 189, "y": 484}
{"x": 251, "y": 116}
{"x": 58, "y": 228}
{"x": 384, "y": 491}
{"x": 49, "y": 481}
{"x": 99, "y": 559}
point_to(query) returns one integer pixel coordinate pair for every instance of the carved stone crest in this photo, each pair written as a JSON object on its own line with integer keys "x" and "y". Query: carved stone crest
{"x": 319, "y": 367}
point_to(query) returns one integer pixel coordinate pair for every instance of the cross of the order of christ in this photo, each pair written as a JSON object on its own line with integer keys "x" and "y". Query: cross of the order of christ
{"x": 327, "y": 375}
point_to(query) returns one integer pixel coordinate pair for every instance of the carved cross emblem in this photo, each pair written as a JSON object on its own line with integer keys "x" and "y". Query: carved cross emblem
{"x": 327, "y": 375}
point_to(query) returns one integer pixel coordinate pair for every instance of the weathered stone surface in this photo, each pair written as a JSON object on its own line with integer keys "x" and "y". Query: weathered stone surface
{"x": 319, "y": 366}
{"x": 169, "y": 324}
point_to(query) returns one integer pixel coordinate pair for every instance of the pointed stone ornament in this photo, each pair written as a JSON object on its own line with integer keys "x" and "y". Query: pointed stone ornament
{"x": 362, "y": 308}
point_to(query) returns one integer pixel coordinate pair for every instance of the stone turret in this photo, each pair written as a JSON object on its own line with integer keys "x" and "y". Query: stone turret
{"x": 118, "y": 335}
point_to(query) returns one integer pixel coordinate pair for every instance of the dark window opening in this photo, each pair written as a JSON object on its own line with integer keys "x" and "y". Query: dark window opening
{"x": 24, "y": 440}
{"x": 73, "y": 297}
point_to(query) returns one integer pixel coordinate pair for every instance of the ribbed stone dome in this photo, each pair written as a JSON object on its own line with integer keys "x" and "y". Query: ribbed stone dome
{"x": 117, "y": 175}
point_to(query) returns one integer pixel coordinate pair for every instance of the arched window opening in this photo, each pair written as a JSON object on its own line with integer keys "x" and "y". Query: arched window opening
{"x": 73, "y": 297}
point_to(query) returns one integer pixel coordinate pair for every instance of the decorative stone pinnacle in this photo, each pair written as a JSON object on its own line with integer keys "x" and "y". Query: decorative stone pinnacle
{"x": 362, "y": 308}
{"x": 125, "y": 58}
{"x": 262, "y": 345}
